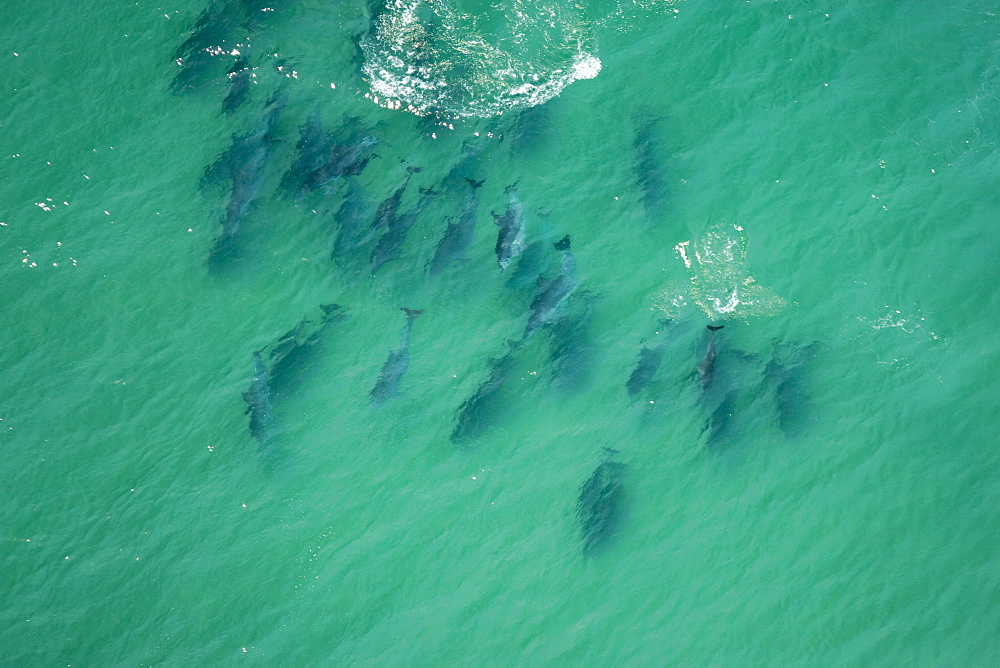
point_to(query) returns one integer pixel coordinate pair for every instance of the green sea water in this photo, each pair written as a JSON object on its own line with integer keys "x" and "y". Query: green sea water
{"x": 856, "y": 145}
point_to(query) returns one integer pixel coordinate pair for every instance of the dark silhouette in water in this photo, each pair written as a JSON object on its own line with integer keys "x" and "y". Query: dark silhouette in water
{"x": 707, "y": 367}
{"x": 352, "y": 218}
{"x": 651, "y": 355}
{"x": 198, "y": 56}
{"x": 396, "y": 364}
{"x": 719, "y": 426}
{"x": 243, "y": 164}
{"x": 601, "y": 503}
{"x": 553, "y": 292}
{"x": 390, "y": 244}
{"x": 293, "y": 355}
{"x": 311, "y": 153}
{"x": 531, "y": 128}
{"x": 573, "y": 351}
{"x": 240, "y": 76}
{"x": 785, "y": 373}
{"x": 649, "y": 168}
{"x": 336, "y": 161}
{"x": 258, "y": 399}
{"x": 388, "y": 209}
{"x": 458, "y": 235}
{"x": 479, "y": 411}
{"x": 650, "y": 358}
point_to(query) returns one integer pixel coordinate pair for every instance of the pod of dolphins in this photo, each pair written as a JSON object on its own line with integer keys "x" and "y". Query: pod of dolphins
{"x": 330, "y": 163}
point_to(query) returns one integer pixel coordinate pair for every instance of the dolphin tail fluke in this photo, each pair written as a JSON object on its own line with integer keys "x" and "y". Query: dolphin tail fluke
{"x": 563, "y": 244}
{"x": 411, "y": 312}
{"x": 715, "y": 328}
{"x": 475, "y": 184}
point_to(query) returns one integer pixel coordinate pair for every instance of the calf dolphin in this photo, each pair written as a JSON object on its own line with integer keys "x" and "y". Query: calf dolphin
{"x": 510, "y": 239}
{"x": 707, "y": 367}
{"x": 554, "y": 292}
{"x": 396, "y": 364}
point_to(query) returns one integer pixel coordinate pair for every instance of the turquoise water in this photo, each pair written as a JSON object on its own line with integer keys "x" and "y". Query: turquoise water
{"x": 856, "y": 144}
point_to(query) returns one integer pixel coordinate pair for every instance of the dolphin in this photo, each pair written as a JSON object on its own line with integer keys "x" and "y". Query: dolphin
{"x": 510, "y": 239}
{"x": 553, "y": 292}
{"x": 388, "y": 209}
{"x": 648, "y": 167}
{"x": 458, "y": 235}
{"x": 601, "y": 502}
{"x": 347, "y": 159}
{"x": 240, "y": 76}
{"x": 720, "y": 423}
{"x": 707, "y": 367}
{"x": 478, "y": 412}
{"x": 650, "y": 358}
{"x": 396, "y": 364}
{"x": 258, "y": 399}
{"x": 243, "y": 163}
{"x": 786, "y": 373}
{"x": 530, "y": 265}
{"x": 312, "y": 149}
{"x": 391, "y": 241}
{"x": 531, "y": 129}
{"x": 198, "y": 55}
{"x": 573, "y": 350}
{"x": 292, "y": 355}
{"x": 352, "y": 218}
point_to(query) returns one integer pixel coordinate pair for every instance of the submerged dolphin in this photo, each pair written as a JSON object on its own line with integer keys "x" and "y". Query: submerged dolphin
{"x": 554, "y": 292}
{"x": 510, "y": 239}
{"x": 707, "y": 367}
{"x": 396, "y": 364}
{"x": 240, "y": 76}
{"x": 347, "y": 159}
{"x": 258, "y": 399}
{"x": 786, "y": 373}
{"x": 600, "y": 504}
{"x": 458, "y": 235}
{"x": 573, "y": 350}
{"x": 243, "y": 163}
{"x": 650, "y": 358}
{"x": 478, "y": 412}
{"x": 351, "y": 217}
{"x": 312, "y": 149}
{"x": 292, "y": 355}
{"x": 649, "y": 363}
{"x": 391, "y": 242}
{"x": 649, "y": 168}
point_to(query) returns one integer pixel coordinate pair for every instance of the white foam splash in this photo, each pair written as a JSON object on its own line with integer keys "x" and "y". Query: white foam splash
{"x": 425, "y": 57}
{"x": 719, "y": 279}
